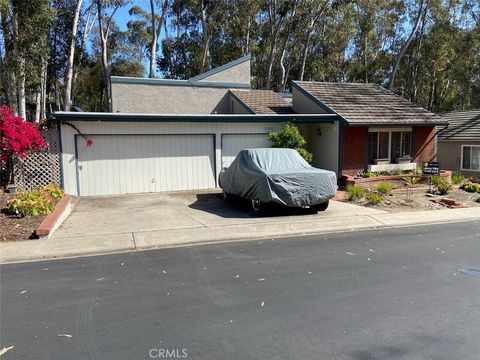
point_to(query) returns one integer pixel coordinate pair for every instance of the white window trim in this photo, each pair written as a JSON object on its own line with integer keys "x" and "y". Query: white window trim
{"x": 380, "y": 129}
{"x": 471, "y": 154}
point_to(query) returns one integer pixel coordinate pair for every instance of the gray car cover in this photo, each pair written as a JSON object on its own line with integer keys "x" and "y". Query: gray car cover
{"x": 277, "y": 175}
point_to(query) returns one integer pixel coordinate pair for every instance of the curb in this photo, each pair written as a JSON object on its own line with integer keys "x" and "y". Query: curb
{"x": 53, "y": 220}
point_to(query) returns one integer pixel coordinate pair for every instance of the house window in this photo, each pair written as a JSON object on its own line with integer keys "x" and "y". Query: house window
{"x": 471, "y": 157}
{"x": 389, "y": 145}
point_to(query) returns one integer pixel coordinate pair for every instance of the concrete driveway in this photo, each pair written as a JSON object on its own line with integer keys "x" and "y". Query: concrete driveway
{"x": 166, "y": 217}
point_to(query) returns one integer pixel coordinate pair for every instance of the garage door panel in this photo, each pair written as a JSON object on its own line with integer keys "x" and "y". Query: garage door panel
{"x": 123, "y": 164}
{"x": 232, "y": 144}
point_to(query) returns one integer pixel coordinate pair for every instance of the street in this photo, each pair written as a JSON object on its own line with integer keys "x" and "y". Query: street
{"x": 365, "y": 295}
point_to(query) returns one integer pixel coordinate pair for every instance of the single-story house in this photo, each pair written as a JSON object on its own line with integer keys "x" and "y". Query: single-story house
{"x": 170, "y": 135}
{"x": 459, "y": 144}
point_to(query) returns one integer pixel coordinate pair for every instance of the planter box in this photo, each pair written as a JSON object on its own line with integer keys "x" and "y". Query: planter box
{"x": 381, "y": 161}
{"x": 53, "y": 220}
{"x": 394, "y": 179}
{"x": 403, "y": 160}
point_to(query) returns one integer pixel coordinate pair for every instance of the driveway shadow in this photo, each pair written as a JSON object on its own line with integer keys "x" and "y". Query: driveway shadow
{"x": 235, "y": 207}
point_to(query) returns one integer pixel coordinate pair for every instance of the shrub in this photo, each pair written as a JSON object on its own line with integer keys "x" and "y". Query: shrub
{"x": 30, "y": 203}
{"x": 478, "y": 200}
{"x": 35, "y": 202}
{"x": 355, "y": 192}
{"x": 17, "y": 138}
{"x": 308, "y": 156}
{"x": 369, "y": 174}
{"x": 411, "y": 181}
{"x": 395, "y": 172}
{"x": 443, "y": 186}
{"x": 53, "y": 190}
{"x": 457, "y": 178}
{"x": 374, "y": 198}
{"x": 384, "y": 188}
{"x": 470, "y": 187}
{"x": 435, "y": 179}
{"x": 289, "y": 137}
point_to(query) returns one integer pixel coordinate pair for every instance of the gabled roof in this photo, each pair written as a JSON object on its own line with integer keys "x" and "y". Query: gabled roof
{"x": 263, "y": 102}
{"x": 463, "y": 125}
{"x": 366, "y": 104}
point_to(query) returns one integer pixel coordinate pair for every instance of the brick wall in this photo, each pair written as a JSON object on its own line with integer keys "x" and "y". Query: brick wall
{"x": 424, "y": 143}
{"x": 354, "y": 149}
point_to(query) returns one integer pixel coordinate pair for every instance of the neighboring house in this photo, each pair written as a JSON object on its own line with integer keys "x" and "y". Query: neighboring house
{"x": 459, "y": 144}
{"x": 170, "y": 135}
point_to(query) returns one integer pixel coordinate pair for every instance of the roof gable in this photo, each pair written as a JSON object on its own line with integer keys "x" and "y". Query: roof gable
{"x": 367, "y": 104}
{"x": 463, "y": 125}
{"x": 263, "y": 101}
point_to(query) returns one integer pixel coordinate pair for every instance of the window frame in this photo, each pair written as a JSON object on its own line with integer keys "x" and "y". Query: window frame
{"x": 471, "y": 156}
{"x": 390, "y": 131}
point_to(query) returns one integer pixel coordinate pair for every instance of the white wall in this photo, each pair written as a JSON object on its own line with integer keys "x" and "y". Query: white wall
{"x": 69, "y": 164}
{"x": 324, "y": 147}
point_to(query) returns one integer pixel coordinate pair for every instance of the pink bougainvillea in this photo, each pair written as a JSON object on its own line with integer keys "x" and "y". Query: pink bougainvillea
{"x": 17, "y": 137}
{"x": 89, "y": 142}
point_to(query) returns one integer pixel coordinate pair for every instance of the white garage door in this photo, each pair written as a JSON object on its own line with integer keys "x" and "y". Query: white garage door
{"x": 232, "y": 144}
{"x": 125, "y": 164}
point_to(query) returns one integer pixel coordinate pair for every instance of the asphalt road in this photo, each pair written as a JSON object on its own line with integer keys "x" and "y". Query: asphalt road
{"x": 390, "y": 294}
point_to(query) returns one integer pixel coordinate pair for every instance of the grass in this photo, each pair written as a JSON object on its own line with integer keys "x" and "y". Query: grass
{"x": 457, "y": 178}
{"x": 374, "y": 198}
{"x": 384, "y": 187}
{"x": 354, "y": 192}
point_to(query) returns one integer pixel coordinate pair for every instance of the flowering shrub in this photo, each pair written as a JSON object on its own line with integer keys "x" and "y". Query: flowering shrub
{"x": 17, "y": 138}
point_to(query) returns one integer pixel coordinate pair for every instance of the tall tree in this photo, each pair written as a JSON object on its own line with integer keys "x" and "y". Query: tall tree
{"x": 69, "y": 71}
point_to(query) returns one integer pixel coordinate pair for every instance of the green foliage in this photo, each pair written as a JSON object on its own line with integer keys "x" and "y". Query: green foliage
{"x": 291, "y": 138}
{"x": 35, "y": 202}
{"x": 374, "y": 198}
{"x": 411, "y": 181}
{"x": 308, "y": 156}
{"x": 369, "y": 174}
{"x": 443, "y": 186}
{"x": 355, "y": 192}
{"x": 471, "y": 187}
{"x": 435, "y": 179}
{"x": 54, "y": 191}
{"x": 384, "y": 187}
{"x": 457, "y": 178}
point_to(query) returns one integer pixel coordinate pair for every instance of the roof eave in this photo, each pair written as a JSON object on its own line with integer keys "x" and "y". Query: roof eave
{"x": 125, "y": 117}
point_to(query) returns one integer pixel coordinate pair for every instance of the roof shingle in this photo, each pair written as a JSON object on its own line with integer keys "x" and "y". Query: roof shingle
{"x": 463, "y": 125}
{"x": 263, "y": 101}
{"x": 368, "y": 104}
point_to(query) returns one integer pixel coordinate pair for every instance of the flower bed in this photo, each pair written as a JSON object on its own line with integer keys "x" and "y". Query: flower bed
{"x": 370, "y": 182}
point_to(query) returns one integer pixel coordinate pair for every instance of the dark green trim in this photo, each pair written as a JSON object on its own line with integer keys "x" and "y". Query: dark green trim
{"x": 241, "y": 102}
{"x": 207, "y": 118}
{"x": 168, "y": 82}
{"x": 340, "y": 151}
{"x": 219, "y": 69}
{"x": 318, "y": 102}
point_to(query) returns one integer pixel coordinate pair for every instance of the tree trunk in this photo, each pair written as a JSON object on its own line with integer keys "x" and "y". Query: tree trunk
{"x": 206, "y": 38}
{"x": 22, "y": 109}
{"x": 305, "y": 55}
{"x": 153, "y": 44}
{"x": 104, "y": 30}
{"x": 405, "y": 46}
{"x": 67, "y": 102}
{"x": 38, "y": 105}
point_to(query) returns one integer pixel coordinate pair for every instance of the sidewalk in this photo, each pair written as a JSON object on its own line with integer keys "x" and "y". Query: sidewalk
{"x": 71, "y": 245}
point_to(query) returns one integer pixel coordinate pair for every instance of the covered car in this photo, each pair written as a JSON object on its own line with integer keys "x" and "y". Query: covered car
{"x": 274, "y": 175}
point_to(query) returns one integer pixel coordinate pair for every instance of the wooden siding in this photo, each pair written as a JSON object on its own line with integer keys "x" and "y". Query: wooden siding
{"x": 94, "y": 129}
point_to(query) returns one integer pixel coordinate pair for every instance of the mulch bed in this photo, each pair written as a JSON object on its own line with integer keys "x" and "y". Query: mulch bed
{"x": 14, "y": 228}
